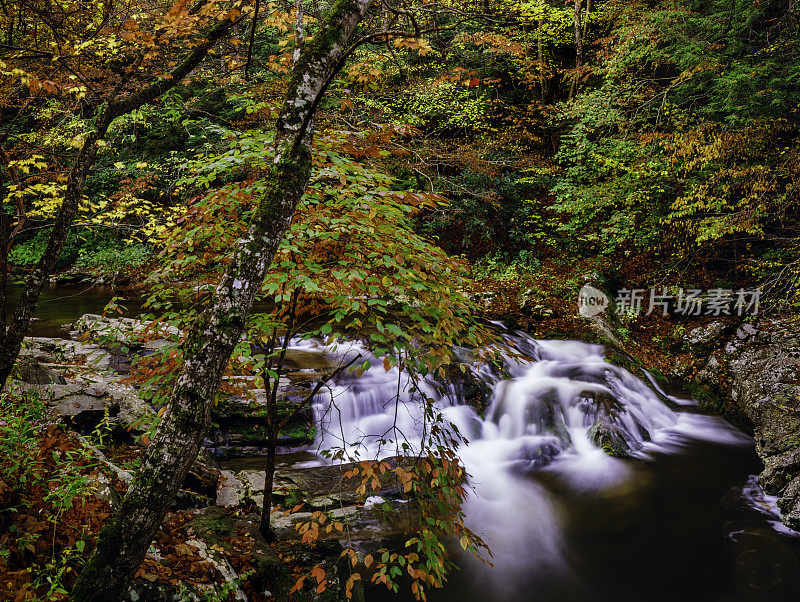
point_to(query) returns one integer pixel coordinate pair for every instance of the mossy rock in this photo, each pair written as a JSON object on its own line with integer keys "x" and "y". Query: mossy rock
{"x": 609, "y": 439}
{"x": 216, "y": 527}
{"x": 29, "y": 370}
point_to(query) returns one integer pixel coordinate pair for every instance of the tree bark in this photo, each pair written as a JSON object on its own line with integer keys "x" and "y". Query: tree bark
{"x": 586, "y": 18}
{"x": 14, "y": 332}
{"x": 269, "y": 476}
{"x": 124, "y": 541}
{"x": 540, "y": 58}
{"x": 578, "y": 47}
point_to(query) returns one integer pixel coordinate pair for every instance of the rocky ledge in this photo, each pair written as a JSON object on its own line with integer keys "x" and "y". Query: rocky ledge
{"x": 755, "y": 370}
{"x": 85, "y": 382}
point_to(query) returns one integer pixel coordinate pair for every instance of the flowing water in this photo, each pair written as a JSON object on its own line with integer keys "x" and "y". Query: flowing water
{"x": 680, "y": 517}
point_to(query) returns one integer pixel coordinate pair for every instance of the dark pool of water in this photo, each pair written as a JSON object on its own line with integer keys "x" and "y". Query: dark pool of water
{"x": 684, "y": 527}
{"x": 59, "y": 306}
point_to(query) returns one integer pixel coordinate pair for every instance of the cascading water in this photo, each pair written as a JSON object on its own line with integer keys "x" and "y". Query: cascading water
{"x": 564, "y": 401}
{"x": 560, "y": 415}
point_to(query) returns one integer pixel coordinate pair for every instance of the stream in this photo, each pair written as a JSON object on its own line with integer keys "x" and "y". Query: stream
{"x": 680, "y": 517}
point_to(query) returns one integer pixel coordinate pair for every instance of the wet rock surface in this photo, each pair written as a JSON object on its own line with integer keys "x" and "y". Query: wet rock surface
{"x": 756, "y": 368}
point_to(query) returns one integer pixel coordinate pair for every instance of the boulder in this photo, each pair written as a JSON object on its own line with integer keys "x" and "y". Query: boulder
{"x": 32, "y": 371}
{"x": 217, "y": 530}
{"x": 711, "y": 374}
{"x": 122, "y": 333}
{"x": 84, "y": 406}
{"x": 530, "y": 304}
{"x": 610, "y": 439}
{"x": 64, "y": 352}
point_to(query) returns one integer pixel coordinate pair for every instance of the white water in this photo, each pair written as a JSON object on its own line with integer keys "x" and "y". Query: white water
{"x": 539, "y": 419}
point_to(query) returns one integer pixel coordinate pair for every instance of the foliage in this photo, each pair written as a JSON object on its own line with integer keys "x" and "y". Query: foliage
{"x": 688, "y": 141}
{"x": 47, "y": 516}
{"x": 109, "y": 262}
{"x": 436, "y": 483}
{"x": 350, "y": 266}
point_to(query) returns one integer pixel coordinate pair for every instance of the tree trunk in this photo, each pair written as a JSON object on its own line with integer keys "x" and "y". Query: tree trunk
{"x": 18, "y": 325}
{"x": 124, "y": 541}
{"x": 586, "y": 18}
{"x": 76, "y": 184}
{"x": 578, "y": 48}
{"x": 540, "y": 58}
{"x": 269, "y": 478}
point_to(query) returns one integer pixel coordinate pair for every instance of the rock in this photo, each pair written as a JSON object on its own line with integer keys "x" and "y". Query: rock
{"x": 202, "y": 479}
{"x": 104, "y": 490}
{"x": 216, "y": 528}
{"x": 35, "y": 354}
{"x": 530, "y": 306}
{"x": 711, "y": 374}
{"x": 109, "y": 331}
{"x": 236, "y": 488}
{"x": 682, "y": 367}
{"x": 320, "y": 488}
{"x": 709, "y": 335}
{"x": 220, "y": 562}
{"x": 746, "y": 331}
{"x": 484, "y": 298}
{"x": 304, "y": 359}
{"x": 125, "y": 333}
{"x": 790, "y": 498}
{"x": 328, "y": 481}
{"x": 29, "y": 370}
{"x": 285, "y": 527}
{"x": 609, "y": 439}
{"x": 63, "y": 351}
{"x": 595, "y": 305}
{"x": 84, "y": 406}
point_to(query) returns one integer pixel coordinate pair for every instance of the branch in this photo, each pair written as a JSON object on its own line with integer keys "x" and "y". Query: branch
{"x": 320, "y": 383}
{"x": 156, "y": 89}
{"x": 123, "y": 474}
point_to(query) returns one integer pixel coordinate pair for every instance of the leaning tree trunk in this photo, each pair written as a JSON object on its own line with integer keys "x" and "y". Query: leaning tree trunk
{"x": 124, "y": 541}
{"x": 14, "y": 332}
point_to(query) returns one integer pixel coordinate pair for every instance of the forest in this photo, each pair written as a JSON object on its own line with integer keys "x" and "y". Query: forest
{"x": 399, "y": 300}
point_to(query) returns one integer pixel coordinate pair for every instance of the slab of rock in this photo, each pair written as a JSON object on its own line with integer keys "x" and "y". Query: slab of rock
{"x": 764, "y": 373}
{"x": 121, "y": 332}
{"x": 83, "y": 406}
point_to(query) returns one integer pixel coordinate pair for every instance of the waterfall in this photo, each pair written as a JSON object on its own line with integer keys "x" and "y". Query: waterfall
{"x": 561, "y": 410}
{"x": 562, "y": 401}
